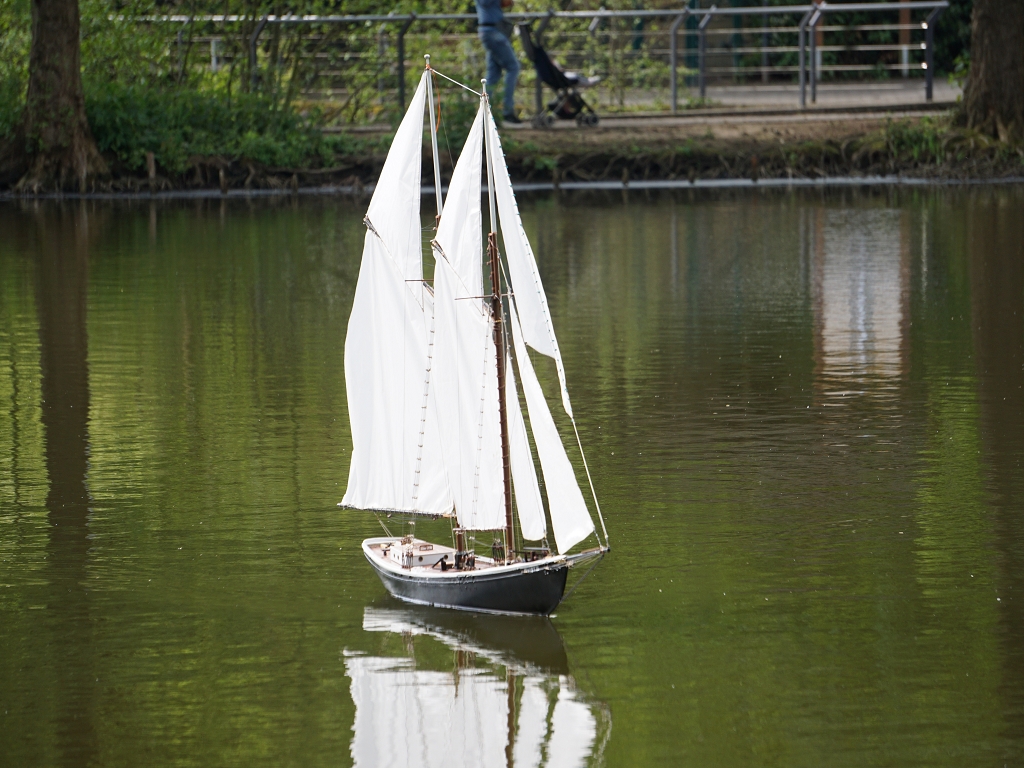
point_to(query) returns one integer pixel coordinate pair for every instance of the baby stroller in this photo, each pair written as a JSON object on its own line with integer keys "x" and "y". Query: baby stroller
{"x": 567, "y": 104}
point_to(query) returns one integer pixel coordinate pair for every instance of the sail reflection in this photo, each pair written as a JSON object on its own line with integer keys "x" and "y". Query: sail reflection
{"x": 860, "y": 291}
{"x": 501, "y": 694}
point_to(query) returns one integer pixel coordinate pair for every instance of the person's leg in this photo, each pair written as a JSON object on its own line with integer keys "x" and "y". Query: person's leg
{"x": 511, "y": 76}
{"x": 493, "y": 67}
{"x": 500, "y": 56}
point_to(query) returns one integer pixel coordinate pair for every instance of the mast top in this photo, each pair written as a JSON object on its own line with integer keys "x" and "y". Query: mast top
{"x": 427, "y": 57}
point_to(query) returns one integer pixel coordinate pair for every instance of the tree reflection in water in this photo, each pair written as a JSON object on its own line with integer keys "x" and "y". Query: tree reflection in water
{"x": 61, "y": 244}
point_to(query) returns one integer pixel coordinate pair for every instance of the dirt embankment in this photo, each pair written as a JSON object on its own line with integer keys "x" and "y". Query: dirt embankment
{"x": 766, "y": 147}
{"x": 698, "y": 147}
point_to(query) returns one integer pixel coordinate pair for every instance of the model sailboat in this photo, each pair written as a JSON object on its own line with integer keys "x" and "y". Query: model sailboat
{"x": 437, "y": 427}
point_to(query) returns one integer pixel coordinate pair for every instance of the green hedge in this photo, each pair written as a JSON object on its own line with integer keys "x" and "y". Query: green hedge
{"x": 178, "y": 124}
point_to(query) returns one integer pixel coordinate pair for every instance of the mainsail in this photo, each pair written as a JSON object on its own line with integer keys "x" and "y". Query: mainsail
{"x": 569, "y": 515}
{"x": 524, "y": 475}
{"x": 465, "y": 374}
{"x": 538, "y": 330}
{"x": 531, "y": 324}
{"x": 396, "y": 456}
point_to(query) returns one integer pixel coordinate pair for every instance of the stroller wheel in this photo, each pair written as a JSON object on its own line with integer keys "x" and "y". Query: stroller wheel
{"x": 549, "y": 119}
{"x": 593, "y": 119}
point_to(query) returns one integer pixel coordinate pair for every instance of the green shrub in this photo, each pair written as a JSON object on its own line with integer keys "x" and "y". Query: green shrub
{"x": 178, "y": 124}
{"x": 921, "y": 141}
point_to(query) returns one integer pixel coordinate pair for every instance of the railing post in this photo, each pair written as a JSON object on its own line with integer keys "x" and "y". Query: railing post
{"x": 382, "y": 48}
{"x": 254, "y": 76}
{"x": 401, "y": 59}
{"x": 929, "y": 51}
{"x": 802, "y": 65}
{"x": 674, "y": 60}
{"x": 702, "y": 46}
{"x": 813, "y": 26}
{"x": 538, "y": 86}
{"x": 764, "y": 44}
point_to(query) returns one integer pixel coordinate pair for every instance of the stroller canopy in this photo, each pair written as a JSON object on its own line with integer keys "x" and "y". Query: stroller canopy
{"x": 546, "y": 70}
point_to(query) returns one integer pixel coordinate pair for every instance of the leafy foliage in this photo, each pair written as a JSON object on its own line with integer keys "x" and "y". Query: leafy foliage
{"x": 953, "y": 37}
{"x": 15, "y": 37}
{"x": 179, "y": 125}
{"x": 920, "y": 141}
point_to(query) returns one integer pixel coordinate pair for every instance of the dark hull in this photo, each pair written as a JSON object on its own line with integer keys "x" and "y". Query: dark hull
{"x": 535, "y": 589}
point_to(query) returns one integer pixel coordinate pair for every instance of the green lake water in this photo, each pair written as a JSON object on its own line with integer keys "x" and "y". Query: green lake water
{"x": 804, "y": 416}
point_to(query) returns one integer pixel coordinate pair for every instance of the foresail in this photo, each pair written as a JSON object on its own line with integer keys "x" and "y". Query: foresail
{"x": 569, "y": 516}
{"x": 529, "y": 505}
{"x": 464, "y": 378}
{"x": 458, "y": 232}
{"x": 396, "y": 457}
{"x": 394, "y": 211}
{"x": 532, "y": 302}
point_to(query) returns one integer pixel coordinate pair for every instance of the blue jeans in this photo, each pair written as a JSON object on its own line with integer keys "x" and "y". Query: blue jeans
{"x": 500, "y": 56}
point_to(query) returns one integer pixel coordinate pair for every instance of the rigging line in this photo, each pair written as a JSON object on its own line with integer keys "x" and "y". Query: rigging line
{"x": 456, "y": 82}
{"x": 447, "y": 141}
{"x": 389, "y": 534}
{"x": 438, "y": 125}
{"x": 590, "y": 480}
{"x": 591, "y": 568}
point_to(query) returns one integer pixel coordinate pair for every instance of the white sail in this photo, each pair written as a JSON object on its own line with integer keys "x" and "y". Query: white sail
{"x": 529, "y": 505}
{"x": 464, "y": 378}
{"x": 394, "y": 208}
{"x": 532, "y": 302}
{"x": 396, "y": 458}
{"x": 569, "y": 516}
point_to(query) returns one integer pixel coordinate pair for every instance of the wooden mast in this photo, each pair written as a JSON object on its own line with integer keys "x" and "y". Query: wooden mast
{"x": 499, "y": 346}
{"x": 433, "y": 141}
{"x": 499, "y": 338}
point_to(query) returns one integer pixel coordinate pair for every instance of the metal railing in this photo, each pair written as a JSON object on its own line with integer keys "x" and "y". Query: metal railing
{"x": 808, "y": 29}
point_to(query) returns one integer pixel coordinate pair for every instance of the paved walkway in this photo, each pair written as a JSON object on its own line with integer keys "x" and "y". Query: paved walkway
{"x": 744, "y": 104}
{"x": 892, "y": 93}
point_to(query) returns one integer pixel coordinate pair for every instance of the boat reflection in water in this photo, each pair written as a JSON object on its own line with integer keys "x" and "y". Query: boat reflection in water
{"x": 496, "y": 691}
{"x": 861, "y": 298}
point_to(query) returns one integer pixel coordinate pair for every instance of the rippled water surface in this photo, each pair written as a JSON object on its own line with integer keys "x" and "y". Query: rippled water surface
{"x": 805, "y": 418}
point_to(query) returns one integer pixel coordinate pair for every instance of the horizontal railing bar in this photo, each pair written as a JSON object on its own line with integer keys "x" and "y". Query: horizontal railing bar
{"x": 456, "y": 36}
{"x": 920, "y": 66}
{"x": 777, "y": 10}
{"x": 832, "y": 48}
{"x": 746, "y": 31}
{"x": 719, "y": 51}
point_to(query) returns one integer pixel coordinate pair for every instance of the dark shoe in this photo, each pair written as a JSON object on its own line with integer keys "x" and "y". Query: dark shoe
{"x": 512, "y": 119}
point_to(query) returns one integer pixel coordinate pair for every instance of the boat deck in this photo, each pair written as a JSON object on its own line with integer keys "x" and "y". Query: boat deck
{"x": 426, "y": 557}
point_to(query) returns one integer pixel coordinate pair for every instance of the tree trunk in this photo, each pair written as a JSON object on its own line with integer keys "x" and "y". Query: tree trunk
{"x": 994, "y": 97}
{"x": 58, "y": 142}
